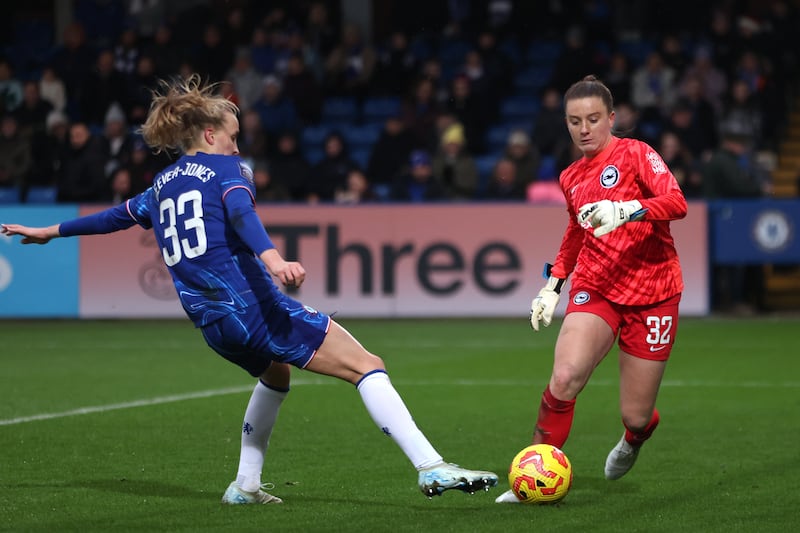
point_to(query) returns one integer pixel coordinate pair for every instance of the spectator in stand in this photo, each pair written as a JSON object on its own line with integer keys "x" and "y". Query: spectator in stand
{"x": 126, "y": 52}
{"x": 10, "y": 88}
{"x": 431, "y": 70}
{"x": 267, "y": 189}
{"x": 682, "y": 164}
{"x": 212, "y": 57}
{"x": 15, "y": 153}
{"x": 741, "y": 107}
{"x": 142, "y": 84}
{"x": 713, "y": 81}
{"x": 49, "y": 150}
{"x": 238, "y": 27}
{"x": 82, "y": 178}
{"x": 121, "y": 185}
{"x": 73, "y": 60}
{"x": 481, "y": 85}
{"x": 288, "y": 167}
{"x": 104, "y": 86}
{"x": 144, "y": 165}
{"x": 524, "y": 155}
{"x": 320, "y": 33}
{"x": 303, "y": 89}
{"x": 704, "y": 117}
{"x": 471, "y": 111}
{"x": 389, "y": 155}
{"x": 417, "y": 184}
{"x": 52, "y": 88}
{"x": 32, "y": 114}
{"x": 277, "y": 112}
{"x": 550, "y": 135}
{"x": 297, "y": 45}
{"x": 674, "y": 53}
{"x": 420, "y": 113}
{"x": 261, "y": 53}
{"x": 733, "y": 172}
{"x": 724, "y": 43}
{"x": 350, "y": 67}
{"x": 357, "y": 189}
{"x": 617, "y": 77}
{"x": 246, "y": 81}
{"x": 498, "y": 66}
{"x": 574, "y": 62}
{"x": 165, "y": 52}
{"x": 627, "y": 122}
{"x": 654, "y": 89}
{"x": 503, "y": 183}
{"x": 396, "y": 66}
{"x": 329, "y": 174}
{"x": 752, "y": 70}
{"x": 253, "y": 142}
{"x": 453, "y": 167}
{"x": 119, "y": 140}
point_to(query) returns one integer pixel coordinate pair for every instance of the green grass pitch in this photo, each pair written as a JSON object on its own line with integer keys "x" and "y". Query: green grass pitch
{"x": 134, "y": 426}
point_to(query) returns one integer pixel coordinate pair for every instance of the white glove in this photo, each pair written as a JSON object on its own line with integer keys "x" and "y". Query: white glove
{"x": 544, "y": 305}
{"x": 605, "y": 216}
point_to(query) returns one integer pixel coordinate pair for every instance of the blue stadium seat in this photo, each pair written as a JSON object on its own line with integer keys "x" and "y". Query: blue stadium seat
{"x": 10, "y": 195}
{"x": 313, "y": 136}
{"x": 497, "y": 136}
{"x": 361, "y": 156}
{"x": 378, "y": 109}
{"x": 636, "y": 50}
{"x": 543, "y": 52}
{"x": 41, "y": 195}
{"x": 519, "y": 108}
{"x": 453, "y": 51}
{"x": 362, "y": 136}
{"x": 336, "y": 109}
{"x": 314, "y": 155}
{"x": 532, "y": 79}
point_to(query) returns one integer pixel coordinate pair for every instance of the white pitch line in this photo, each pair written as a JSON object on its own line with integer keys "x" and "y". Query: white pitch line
{"x": 424, "y": 383}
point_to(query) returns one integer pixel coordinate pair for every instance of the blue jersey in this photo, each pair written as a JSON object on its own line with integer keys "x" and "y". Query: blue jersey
{"x": 214, "y": 271}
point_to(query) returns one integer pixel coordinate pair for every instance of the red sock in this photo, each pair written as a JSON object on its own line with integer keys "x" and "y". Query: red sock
{"x": 555, "y": 420}
{"x": 637, "y": 439}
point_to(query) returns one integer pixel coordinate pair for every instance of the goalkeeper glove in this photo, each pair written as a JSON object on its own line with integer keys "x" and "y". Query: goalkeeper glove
{"x": 605, "y": 216}
{"x": 544, "y": 305}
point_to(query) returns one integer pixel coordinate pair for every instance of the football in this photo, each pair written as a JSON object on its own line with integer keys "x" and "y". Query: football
{"x": 539, "y": 474}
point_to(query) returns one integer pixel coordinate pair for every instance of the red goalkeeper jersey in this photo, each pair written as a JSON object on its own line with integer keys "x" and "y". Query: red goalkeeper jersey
{"x": 637, "y": 263}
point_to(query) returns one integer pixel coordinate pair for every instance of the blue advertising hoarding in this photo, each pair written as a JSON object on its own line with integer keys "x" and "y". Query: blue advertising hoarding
{"x": 38, "y": 281}
{"x": 754, "y": 231}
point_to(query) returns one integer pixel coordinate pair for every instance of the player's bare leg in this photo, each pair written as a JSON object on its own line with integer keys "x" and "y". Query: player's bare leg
{"x": 640, "y": 380}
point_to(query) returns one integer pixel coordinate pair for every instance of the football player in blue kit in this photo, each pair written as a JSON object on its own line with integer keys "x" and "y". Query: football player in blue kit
{"x": 202, "y": 211}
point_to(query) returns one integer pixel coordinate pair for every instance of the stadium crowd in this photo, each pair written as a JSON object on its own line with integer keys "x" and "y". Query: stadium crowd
{"x": 455, "y": 101}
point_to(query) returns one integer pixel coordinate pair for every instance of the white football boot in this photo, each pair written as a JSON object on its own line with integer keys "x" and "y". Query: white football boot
{"x": 236, "y": 496}
{"x": 621, "y": 459}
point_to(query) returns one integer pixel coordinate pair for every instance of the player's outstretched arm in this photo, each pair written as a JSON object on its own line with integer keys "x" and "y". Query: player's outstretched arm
{"x": 31, "y": 235}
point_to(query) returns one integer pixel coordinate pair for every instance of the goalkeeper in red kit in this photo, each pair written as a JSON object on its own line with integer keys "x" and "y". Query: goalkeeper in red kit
{"x": 624, "y": 272}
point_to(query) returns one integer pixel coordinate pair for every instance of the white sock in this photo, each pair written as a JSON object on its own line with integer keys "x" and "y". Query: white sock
{"x": 391, "y": 415}
{"x": 259, "y": 419}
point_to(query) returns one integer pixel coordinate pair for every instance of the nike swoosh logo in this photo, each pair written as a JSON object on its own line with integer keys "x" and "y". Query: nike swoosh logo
{"x": 657, "y": 348}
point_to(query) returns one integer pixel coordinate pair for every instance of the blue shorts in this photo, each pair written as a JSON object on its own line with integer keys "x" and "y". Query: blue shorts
{"x": 282, "y": 330}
